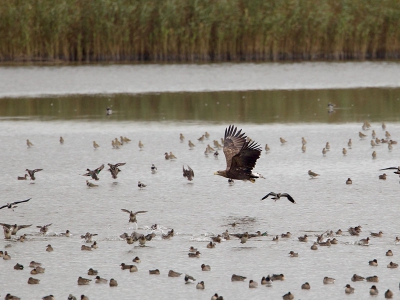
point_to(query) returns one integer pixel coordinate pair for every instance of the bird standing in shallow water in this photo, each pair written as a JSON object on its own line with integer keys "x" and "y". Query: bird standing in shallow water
{"x": 141, "y": 185}
{"x": 29, "y": 144}
{"x": 153, "y": 169}
{"x": 89, "y": 184}
{"x": 312, "y": 174}
{"x": 349, "y": 181}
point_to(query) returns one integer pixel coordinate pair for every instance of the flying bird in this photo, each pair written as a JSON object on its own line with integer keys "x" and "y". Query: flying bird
{"x": 44, "y": 228}
{"x": 114, "y": 170}
{"x": 393, "y": 168}
{"x": 132, "y": 215}
{"x": 14, "y": 228}
{"x": 277, "y": 196}
{"x": 240, "y": 154}
{"x": 94, "y": 173}
{"x": 13, "y": 204}
{"x": 188, "y": 173}
{"x": 32, "y": 173}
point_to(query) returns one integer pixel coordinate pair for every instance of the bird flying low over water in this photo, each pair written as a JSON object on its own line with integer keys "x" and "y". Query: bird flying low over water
{"x": 189, "y": 174}
{"x": 277, "y": 196}
{"x": 393, "y": 168}
{"x": 94, "y": 173}
{"x": 32, "y": 173}
{"x": 132, "y": 215}
{"x": 240, "y": 154}
{"x": 14, "y": 228}
{"x": 114, "y": 170}
{"x": 13, "y": 204}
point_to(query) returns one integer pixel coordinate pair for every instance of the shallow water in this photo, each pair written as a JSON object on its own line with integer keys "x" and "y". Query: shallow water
{"x": 200, "y": 98}
{"x": 33, "y": 81}
{"x": 197, "y": 210}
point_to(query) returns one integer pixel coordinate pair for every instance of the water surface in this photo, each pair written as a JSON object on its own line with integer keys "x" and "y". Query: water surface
{"x": 197, "y": 210}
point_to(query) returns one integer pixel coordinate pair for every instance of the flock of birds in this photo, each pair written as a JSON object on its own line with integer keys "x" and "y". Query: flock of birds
{"x": 241, "y": 154}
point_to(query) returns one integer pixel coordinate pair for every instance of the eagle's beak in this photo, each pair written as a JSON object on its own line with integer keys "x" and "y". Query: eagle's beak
{"x": 215, "y": 173}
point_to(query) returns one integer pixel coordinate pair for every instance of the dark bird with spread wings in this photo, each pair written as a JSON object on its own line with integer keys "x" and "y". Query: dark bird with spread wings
{"x": 189, "y": 174}
{"x": 32, "y": 173}
{"x": 14, "y": 228}
{"x": 393, "y": 168}
{"x": 132, "y": 215}
{"x": 14, "y": 204}
{"x": 114, "y": 170}
{"x": 240, "y": 154}
{"x": 94, "y": 173}
{"x": 278, "y": 196}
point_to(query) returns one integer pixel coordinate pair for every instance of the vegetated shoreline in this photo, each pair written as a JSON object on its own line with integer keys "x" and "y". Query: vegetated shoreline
{"x": 170, "y": 31}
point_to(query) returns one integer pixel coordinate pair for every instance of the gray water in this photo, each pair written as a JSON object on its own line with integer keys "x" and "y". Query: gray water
{"x": 206, "y": 206}
{"x": 31, "y": 81}
{"x": 196, "y": 210}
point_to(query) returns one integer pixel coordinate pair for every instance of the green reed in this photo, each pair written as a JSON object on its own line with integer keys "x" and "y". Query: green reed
{"x": 198, "y": 30}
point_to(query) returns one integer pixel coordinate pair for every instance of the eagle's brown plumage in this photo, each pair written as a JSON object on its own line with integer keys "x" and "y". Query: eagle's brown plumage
{"x": 241, "y": 155}
{"x": 188, "y": 173}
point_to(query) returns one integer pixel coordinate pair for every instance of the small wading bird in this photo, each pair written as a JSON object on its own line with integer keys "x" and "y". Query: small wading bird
{"x": 240, "y": 154}
{"x": 94, "y": 173}
{"x": 31, "y": 173}
{"x": 189, "y": 174}
{"x": 312, "y": 174}
{"x": 13, "y": 204}
{"x": 277, "y": 196}
{"x": 89, "y": 184}
{"x": 141, "y": 185}
{"x": 25, "y": 177}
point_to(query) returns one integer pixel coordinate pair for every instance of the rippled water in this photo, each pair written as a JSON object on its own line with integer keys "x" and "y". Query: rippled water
{"x": 268, "y": 101}
{"x": 109, "y": 79}
{"x": 197, "y": 210}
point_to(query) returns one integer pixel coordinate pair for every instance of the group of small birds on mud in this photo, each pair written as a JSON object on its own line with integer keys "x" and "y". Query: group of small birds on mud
{"x": 241, "y": 154}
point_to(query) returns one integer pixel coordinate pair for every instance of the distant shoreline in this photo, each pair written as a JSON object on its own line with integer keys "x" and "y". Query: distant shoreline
{"x": 203, "y": 31}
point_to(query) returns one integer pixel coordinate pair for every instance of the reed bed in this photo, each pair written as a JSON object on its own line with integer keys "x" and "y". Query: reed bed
{"x": 198, "y": 30}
